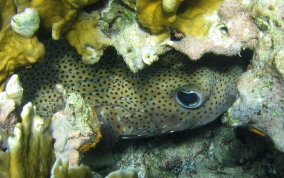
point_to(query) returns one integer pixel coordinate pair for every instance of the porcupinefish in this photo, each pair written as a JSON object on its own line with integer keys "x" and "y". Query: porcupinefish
{"x": 171, "y": 95}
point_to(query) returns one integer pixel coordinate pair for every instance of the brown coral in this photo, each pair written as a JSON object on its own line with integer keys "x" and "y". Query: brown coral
{"x": 88, "y": 40}
{"x": 64, "y": 17}
{"x": 193, "y": 17}
{"x": 15, "y": 50}
{"x": 56, "y": 16}
{"x": 154, "y": 16}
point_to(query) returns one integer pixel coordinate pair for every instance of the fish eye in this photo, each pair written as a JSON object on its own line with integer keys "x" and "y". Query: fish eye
{"x": 189, "y": 99}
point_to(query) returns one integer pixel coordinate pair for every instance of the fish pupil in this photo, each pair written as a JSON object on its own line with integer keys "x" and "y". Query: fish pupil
{"x": 191, "y": 98}
{"x": 188, "y": 99}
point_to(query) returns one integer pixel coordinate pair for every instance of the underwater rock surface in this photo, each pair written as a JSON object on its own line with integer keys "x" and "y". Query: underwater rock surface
{"x": 211, "y": 151}
{"x": 260, "y": 106}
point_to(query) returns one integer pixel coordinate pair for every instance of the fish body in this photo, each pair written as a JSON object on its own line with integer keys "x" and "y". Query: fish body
{"x": 171, "y": 95}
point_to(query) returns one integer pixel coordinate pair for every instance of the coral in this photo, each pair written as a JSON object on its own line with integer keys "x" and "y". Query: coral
{"x": 61, "y": 169}
{"x": 30, "y": 141}
{"x": 9, "y": 100}
{"x": 191, "y": 27}
{"x": 56, "y": 16}
{"x": 75, "y": 129}
{"x": 88, "y": 40}
{"x": 13, "y": 91}
{"x": 233, "y": 31}
{"x": 26, "y": 23}
{"x": 165, "y": 19}
{"x": 260, "y": 107}
{"x": 137, "y": 47}
{"x": 64, "y": 18}
{"x": 23, "y": 143}
{"x": 16, "y": 50}
{"x": 157, "y": 15}
{"x": 190, "y": 17}
{"x": 197, "y": 17}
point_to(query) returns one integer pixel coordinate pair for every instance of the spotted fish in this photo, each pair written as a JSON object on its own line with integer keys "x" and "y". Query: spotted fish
{"x": 171, "y": 95}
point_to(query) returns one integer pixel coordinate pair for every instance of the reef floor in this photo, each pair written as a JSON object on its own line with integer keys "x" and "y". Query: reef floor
{"x": 211, "y": 151}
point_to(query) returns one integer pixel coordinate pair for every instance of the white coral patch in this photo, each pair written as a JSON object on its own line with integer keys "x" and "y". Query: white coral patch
{"x": 149, "y": 56}
{"x": 93, "y": 55}
{"x": 14, "y": 90}
{"x": 26, "y": 23}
